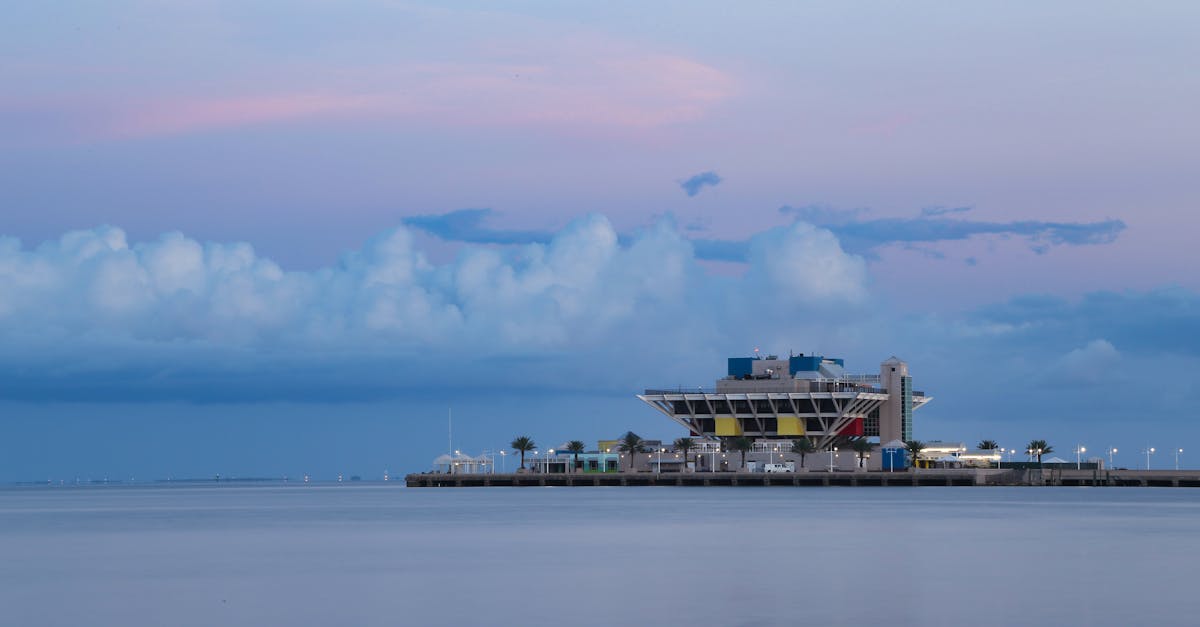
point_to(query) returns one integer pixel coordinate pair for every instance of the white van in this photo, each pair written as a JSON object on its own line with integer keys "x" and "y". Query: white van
{"x": 783, "y": 467}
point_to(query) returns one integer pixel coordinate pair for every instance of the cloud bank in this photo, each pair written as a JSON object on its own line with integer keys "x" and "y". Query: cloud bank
{"x": 91, "y": 315}
{"x": 855, "y": 234}
{"x": 933, "y": 226}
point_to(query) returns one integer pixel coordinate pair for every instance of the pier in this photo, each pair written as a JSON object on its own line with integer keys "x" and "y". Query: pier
{"x": 923, "y": 477}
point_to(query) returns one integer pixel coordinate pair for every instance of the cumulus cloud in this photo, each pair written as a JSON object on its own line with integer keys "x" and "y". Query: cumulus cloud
{"x": 91, "y": 315}
{"x": 1093, "y": 363}
{"x": 696, "y": 183}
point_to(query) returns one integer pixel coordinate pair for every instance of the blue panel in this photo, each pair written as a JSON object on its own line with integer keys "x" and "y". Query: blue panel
{"x": 894, "y": 458}
{"x": 741, "y": 366}
{"x": 803, "y": 364}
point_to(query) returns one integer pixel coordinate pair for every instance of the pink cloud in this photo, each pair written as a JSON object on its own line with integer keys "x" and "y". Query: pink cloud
{"x": 622, "y": 91}
{"x": 187, "y": 116}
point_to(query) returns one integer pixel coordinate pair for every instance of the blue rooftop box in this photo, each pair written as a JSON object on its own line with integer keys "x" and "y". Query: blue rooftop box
{"x": 741, "y": 366}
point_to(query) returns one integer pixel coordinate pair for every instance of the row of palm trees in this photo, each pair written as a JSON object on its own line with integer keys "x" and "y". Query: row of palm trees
{"x": 1036, "y": 448}
{"x": 632, "y": 444}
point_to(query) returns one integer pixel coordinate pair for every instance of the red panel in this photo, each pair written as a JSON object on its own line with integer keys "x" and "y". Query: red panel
{"x": 854, "y": 428}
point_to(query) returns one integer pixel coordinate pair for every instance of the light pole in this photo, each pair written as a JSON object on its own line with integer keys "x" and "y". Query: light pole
{"x": 1000, "y": 459}
{"x": 1079, "y": 451}
{"x": 1148, "y": 451}
{"x": 832, "y": 450}
{"x": 1111, "y": 451}
{"x": 1177, "y": 453}
{"x": 604, "y": 460}
{"x": 503, "y": 455}
{"x": 551, "y": 456}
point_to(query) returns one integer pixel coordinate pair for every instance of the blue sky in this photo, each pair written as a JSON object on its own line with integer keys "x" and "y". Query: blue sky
{"x": 276, "y": 238}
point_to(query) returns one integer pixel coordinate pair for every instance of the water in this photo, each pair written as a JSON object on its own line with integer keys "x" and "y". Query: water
{"x": 387, "y": 555}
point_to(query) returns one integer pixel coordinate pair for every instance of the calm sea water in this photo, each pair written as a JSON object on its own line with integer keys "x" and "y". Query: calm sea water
{"x": 387, "y": 555}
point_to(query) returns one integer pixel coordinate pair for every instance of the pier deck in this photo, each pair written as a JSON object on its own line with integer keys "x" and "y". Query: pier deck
{"x": 923, "y": 477}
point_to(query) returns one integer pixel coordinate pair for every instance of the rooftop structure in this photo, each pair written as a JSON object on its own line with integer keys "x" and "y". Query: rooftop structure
{"x": 801, "y": 396}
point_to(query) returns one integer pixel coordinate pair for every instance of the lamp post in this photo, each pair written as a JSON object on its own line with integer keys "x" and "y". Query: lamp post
{"x": 1079, "y": 451}
{"x": 1148, "y": 451}
{"x": 832, "y": 450}
{"x": 550, "y": 454}
{"x": 1178, "y": 451}
{"x": 1111, "y": 451}
{"x": 503, "y": 455}
{"x": 534, "y": 463}
{"x": 604, "y": 460}
{"x": 1000, "y": 459}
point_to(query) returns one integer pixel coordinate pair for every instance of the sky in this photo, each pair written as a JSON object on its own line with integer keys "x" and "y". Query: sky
{"x": 276, "y": 238}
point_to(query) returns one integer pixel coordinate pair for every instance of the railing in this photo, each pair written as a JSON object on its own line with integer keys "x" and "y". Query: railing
{"x": 817, "y": 387}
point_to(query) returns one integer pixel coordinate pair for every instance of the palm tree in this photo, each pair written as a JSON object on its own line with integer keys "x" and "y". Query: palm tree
{"x": 684, "y": 445}
{"x": 631, "y": 443}
{"x": 576, "y": 447}
{"x": 742, "y": 445}
{"x": 987, "y": 445}
{"x": 914, "y": 449}
{"x": 1039, "y": 448}
{"x": 522, "y": 445}
{"x": 862, "y": 446}
{"x": 803, "y": 447}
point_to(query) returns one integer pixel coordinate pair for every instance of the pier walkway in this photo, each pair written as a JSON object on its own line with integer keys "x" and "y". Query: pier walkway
{"x": 920, "y": 477}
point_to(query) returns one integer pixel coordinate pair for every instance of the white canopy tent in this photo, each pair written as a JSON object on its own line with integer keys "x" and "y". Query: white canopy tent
{"x": 461, "y": 463}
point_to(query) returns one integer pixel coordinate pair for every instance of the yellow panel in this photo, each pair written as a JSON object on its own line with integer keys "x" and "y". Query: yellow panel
{"x": 728, "y": 425}
{"x": 790, "y": 425}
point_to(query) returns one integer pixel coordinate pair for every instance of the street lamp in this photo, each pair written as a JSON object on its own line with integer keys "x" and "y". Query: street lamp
{"x": 1000, "y": 458}
{"x": 550, "y": 455}
{"x": 1177, "y": 453}
{"x": 832, "y": 450}
{"x": 503, "y": 455}
{"x": 1079, "y": 451}
{"x": 1148, "y": 451}
{"x": 1111, "y": 450}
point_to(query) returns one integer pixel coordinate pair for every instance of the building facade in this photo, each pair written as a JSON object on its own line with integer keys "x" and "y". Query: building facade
{"x": 772, "y": 399}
